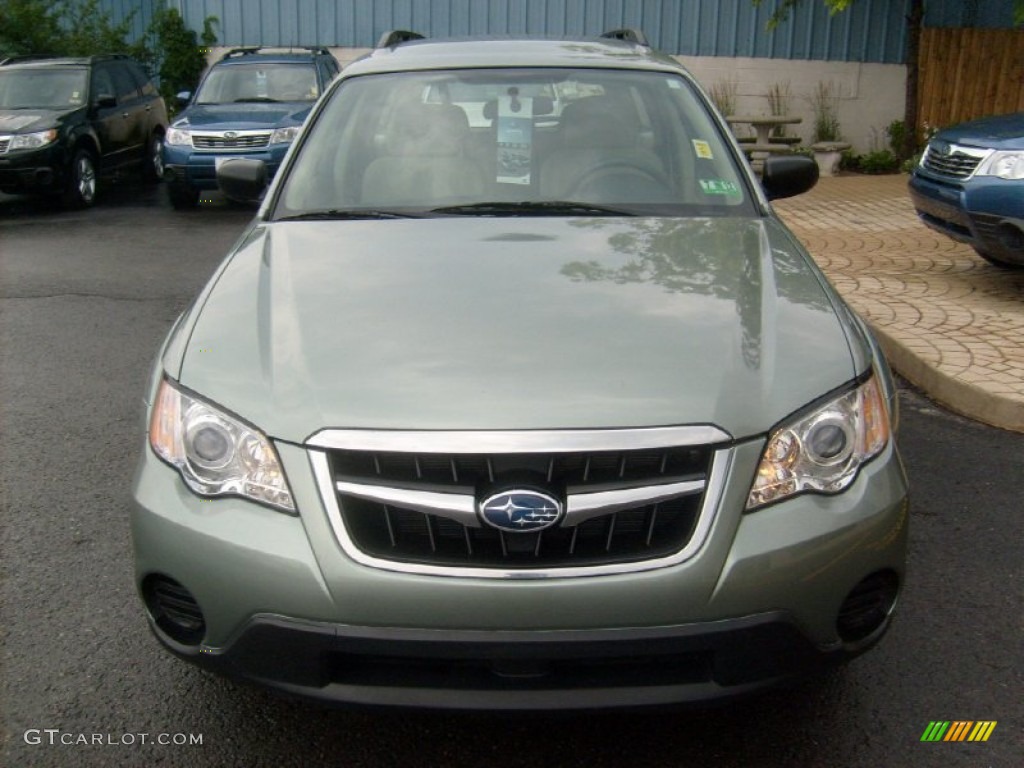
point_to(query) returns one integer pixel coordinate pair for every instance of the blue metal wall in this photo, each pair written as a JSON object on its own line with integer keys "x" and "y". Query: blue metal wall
{"x": 141, "y": 12}
{"x": 870, "y": 31}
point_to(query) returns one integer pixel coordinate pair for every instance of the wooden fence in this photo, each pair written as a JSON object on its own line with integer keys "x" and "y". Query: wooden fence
{"x": 969, "y": 73}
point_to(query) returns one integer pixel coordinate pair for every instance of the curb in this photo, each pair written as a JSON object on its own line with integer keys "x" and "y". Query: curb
{"x": 959, "y": 396}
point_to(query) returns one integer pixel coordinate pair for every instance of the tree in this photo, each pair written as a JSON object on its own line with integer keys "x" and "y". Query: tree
{"x": 82, "y": 28}
{"x": 62, "y": 28}
{"x": 28, "y": 26}
{"x": 915, "y": 20}
{"x": 178, "y": 57}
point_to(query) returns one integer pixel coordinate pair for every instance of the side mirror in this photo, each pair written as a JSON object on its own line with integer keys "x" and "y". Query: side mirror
{"x": 183, "y": 98}
{"x": 788, "y": 175}
{"x": 243, "y": 178}
{"x": 106, "y": 101}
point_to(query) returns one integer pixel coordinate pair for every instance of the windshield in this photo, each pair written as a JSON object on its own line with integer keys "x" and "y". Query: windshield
{"x": 259, "y": 81}
{"x": 42, "y": 88}
{"x": 514, "y": 142}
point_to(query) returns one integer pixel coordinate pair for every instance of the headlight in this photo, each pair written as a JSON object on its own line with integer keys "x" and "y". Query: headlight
{"x": 32, "y": 140}
{"x": 178, "y": 137}
{"x": 285, "y": 135}
{"x": 216, "y": 454}
{"x": 822, "y": 451}
{"x": 1005, "y": 165}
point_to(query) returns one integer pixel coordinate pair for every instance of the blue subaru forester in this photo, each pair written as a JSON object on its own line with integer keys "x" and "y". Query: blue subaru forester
{"x": 251, "y": 104}
{"x": 969, "y": 185}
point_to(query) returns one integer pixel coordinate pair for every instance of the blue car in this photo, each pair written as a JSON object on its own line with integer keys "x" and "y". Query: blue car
{"x": 969, "y": 185}
{"x": 250, "y": 104}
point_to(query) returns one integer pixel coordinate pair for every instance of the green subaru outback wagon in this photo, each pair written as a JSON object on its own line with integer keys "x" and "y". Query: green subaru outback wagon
{"x": 516, "y": 394}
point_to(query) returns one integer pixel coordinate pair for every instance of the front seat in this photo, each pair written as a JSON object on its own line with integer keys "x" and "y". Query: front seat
{"x": 425, "y": 164}
{"x": 599, "y": 159}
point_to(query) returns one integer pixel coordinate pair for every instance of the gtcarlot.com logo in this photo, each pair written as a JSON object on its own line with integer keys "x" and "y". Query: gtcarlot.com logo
{"x": 958, "y": 730}
{"x": 55, "y": 737}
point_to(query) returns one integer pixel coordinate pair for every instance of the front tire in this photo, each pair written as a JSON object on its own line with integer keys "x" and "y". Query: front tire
{"x": 183, "y": 197}
{"x": 80, "y": 191}
{"x": 153, "y": 162}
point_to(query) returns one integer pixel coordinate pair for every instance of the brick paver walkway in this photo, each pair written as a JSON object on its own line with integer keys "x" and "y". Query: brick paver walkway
{"x": 949, "y": 322}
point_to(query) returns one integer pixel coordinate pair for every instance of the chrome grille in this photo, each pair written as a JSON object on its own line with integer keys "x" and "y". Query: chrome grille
{"x": 958, "y": 162}
{"x": 241, "y": 141}
{"x": 644, "y": 532}
{"x": 417, "y": 509}
{"x": 4, "y": 143}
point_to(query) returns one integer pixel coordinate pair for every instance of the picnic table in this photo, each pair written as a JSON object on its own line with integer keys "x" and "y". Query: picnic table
{"x": 763, "y": 126}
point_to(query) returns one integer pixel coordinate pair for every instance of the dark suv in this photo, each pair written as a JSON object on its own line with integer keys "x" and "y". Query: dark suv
{"x": 251, "y": 104}
{"x": 65, "y": 121}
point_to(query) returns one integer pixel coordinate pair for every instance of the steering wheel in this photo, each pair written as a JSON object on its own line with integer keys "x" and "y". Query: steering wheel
{"x": 617, "y": 177}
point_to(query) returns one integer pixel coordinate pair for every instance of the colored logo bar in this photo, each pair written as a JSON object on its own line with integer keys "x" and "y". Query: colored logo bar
{"x": 958, "y": 730}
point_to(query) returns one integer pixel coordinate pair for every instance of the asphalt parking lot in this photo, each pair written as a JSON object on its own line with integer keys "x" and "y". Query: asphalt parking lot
{"x": 85, "y": 298}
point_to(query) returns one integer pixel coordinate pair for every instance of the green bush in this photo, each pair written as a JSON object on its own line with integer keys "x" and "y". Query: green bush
{"x": 911, "y": 162}
{"x": 897, "y": 133}
{"x": 876, "y": 162}
{"x": 880, "y": 161}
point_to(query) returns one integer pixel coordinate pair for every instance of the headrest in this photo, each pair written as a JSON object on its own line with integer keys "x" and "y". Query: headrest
{"x": 428, "y": 129}
{"x": 595, "y": 122}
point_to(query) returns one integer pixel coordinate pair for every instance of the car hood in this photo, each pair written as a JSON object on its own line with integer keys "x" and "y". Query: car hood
{"x": 243, "y": 116}
{"x": 515, "y": 323}
{"x": 28, "y": 120}
{"x": 997, "y": 132}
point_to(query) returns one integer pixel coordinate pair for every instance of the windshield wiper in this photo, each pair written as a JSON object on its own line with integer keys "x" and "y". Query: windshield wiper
{"x": 532, "y": 208}
{"x": 338, "y": 214}
{"x": 256, "y": 100}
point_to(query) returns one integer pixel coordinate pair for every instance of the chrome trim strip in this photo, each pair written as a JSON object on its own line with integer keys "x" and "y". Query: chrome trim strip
{"x": 583, "y": 506}
{"x": 721, "y": 465}
{"x": 246, "y": 133}
{"x": 516, "y": 441}
{"x": 459, "y": 507}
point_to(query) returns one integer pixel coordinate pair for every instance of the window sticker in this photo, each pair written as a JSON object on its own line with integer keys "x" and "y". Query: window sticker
{"x": 703, "y": 149}
{"x": 719, "y": 187}
{"x": 515, "y": 138}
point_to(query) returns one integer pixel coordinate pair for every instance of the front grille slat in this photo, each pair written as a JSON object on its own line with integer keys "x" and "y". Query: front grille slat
{"x": 255, "y": 140}
{"x": 625, "y": 506}
{"x": 957, "y": 163}
{"x": 240, "y": 142}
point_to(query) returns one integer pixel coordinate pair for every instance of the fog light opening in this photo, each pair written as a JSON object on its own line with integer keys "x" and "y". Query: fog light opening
{"x": 1011, "y": 236}
{"x": 174, "y": 609}
{"x": 867, "y": 607}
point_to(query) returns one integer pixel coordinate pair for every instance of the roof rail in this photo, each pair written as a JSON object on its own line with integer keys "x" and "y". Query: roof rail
{"x": 395, "y": 37}
{"x": 240, "y": 52}
{"x": 628, "y": 35}
{"x": 27, "y": 57}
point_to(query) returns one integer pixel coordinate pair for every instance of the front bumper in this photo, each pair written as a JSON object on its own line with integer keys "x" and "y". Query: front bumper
{"x": 285, "y": 607}
{"x": 198, "y": 170}
{"x": 473, "y": 670}
{"x": 987, "y": 214}
{"x": 34, "y": 170}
